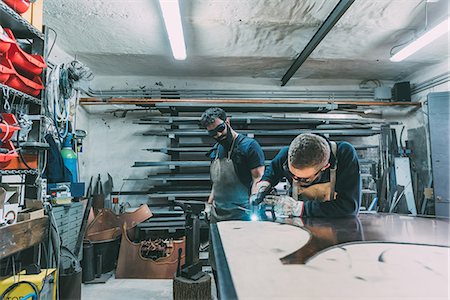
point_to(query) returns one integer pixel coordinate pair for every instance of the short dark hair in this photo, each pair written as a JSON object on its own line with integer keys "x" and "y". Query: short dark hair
{"x": 211, "y": 114}
{"x": 308, "y": 150}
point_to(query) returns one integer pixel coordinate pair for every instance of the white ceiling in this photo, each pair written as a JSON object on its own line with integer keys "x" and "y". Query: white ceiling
{"x": 248, "y": 38}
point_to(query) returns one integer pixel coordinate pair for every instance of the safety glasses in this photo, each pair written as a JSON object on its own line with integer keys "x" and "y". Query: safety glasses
{"x": 301, "y": 179}
{"x": 219, "y": 128}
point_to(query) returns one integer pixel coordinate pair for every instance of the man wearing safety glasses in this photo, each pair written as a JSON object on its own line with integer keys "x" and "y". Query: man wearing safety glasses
{"x": 237, "y": 164}
{"x": 324, "y": 178}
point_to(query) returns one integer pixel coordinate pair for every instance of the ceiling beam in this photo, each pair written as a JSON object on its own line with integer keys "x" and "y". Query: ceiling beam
{"x": 326, "y": 26}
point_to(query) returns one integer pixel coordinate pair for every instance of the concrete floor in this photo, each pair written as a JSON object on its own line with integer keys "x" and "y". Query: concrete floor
{"x": 142, "y": 289}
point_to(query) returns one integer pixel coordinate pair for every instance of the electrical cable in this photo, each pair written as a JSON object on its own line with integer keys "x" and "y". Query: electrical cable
{"x": 20, "y": 152}
{"x": 16, "y": 284}
{"x": 54, "y": 42}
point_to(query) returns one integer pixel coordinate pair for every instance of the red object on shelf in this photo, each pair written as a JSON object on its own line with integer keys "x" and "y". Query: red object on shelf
{"x": 8, "y": 125}
{"x": 5, "y": 41}
{"x": 19, "y": 6}
{"x": 5, "y": 158}
{"x": 29, "y": 65}
{"x": 29, "y": 86}
{"x": 5, "y": 70}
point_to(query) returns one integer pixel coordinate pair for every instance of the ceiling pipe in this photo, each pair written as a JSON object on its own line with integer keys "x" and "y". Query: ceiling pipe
{"x": 326, "y": 26}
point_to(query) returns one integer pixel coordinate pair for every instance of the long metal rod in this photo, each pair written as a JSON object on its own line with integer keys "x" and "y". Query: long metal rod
{"x": 326, "y": 26}
{"x": 230, "y": 94}
{"x": 134, "y": 101}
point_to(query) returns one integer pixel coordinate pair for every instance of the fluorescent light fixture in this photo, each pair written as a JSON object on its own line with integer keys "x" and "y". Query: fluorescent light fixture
{"x": 425, "y": 39}
{"x": 172, "y": 19}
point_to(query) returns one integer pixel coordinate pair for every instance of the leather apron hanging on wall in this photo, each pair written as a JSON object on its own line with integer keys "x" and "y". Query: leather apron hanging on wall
{"x": 230, "y": 194}
{"x": 321, "y": 191}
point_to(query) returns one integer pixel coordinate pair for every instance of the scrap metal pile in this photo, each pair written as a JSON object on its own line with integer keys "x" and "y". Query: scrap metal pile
{"x": 154, "y": 249}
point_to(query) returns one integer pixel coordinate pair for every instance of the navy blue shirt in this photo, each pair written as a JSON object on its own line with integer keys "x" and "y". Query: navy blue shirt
{"x": 348, "y": 182}
{"x": 247, "y": 155}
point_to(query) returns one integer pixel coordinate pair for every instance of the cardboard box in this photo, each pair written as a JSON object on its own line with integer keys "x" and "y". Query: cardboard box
{"x": 9, "y": 199}
{"x": 34, "y": 15}
{"x": 30, "y": 214}
{"x": 34, "y": 210}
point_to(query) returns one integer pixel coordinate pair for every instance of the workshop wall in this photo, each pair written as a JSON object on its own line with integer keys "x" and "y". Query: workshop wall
{"x": 112, "y": 146}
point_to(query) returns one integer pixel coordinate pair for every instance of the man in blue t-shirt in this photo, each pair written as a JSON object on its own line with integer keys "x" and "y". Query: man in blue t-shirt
{"x": 237, "y": 164}
{"x": 324, "y": 178}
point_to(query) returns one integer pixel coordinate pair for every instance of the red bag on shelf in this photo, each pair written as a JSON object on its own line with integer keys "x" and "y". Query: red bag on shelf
{"x": 5, "y": 41}
{"x": 19, "y": 6}
{"x": 29, "y": 65}
{"x": 29, "y": 86}
{"x": 5, "y": 70}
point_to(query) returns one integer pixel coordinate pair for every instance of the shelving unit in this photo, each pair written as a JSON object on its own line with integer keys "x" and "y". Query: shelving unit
{"x": 22, "y": 29}
{"x": 185, "y": 175}
{"x": 25, "y": 234}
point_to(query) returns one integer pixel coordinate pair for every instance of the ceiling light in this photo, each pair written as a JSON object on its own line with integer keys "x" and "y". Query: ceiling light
{"x": 425, "y": 39}
{"x": 172, "y": 19}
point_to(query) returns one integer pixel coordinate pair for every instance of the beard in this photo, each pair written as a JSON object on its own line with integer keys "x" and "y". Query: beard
{"x": 226, "y": 140}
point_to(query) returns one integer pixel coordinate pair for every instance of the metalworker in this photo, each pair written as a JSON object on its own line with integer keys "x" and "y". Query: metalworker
{"x": 324, "y": 178}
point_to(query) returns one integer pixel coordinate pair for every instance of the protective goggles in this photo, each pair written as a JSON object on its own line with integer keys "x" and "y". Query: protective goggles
{"x": 219, "y": 128}
{"x": 301, "y": 179}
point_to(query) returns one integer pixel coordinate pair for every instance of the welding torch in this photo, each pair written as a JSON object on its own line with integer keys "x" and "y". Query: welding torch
{"x": 264, "y": 189}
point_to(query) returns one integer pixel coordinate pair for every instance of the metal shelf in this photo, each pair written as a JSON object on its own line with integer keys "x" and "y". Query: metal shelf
{"x": 19, "y": 172}
{"x": 230, "y": 107}
{"x": 180, "y": 177}
{"x": 206, "y": 149}
{"x": 184, "y": 194}
{"x": 22, "y": 29}
{"x": 20, "y": 94}
{"x": 201, "y": 163}
{"x": 300, "y": 118}
{"x": 252, "y": 133}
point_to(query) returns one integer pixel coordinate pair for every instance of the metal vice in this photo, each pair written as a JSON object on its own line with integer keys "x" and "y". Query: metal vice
{"x": 192, "y": 269}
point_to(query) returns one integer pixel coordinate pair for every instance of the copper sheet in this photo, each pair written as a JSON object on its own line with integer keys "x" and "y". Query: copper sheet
{"x": 132, "y": 265}
{"x": 104, "y": 235}
{"x": 107, "y": 225}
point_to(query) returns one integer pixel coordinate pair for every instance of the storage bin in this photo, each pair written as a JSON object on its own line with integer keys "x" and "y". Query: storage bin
{"x": 19, "y": 6}
{"x": 5, "y": 70}
{"x": 5, "y": 41}
{"x": 28, "y": 65}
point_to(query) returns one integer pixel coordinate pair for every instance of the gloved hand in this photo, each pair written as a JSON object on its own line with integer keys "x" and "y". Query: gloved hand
{"x": 263, "y": 188}
{"x": 285, "y": 205}
{"x": 208, "y": 210}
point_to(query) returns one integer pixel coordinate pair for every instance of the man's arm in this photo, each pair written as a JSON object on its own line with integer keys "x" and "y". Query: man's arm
{"x": 211, "y": 196}
{"x": 274, "y": 172}
{"x": 257, "y": 174}
{"x": 348, "y": 188}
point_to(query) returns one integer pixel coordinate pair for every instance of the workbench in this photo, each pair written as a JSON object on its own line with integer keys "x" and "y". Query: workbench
{"x": 382, "y": 256}
{"x": 22, "y": 235}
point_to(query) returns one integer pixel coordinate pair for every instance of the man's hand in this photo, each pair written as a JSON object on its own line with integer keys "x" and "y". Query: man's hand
{"x": 263, "y": 188}
{"x": 208, "y": 210}
{"x": 285, "y": 205}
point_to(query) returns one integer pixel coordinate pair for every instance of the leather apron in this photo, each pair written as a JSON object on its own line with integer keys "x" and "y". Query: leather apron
{"x": 230, "y": 194}
{"x": 321, "y": 191}
{"x": 231, "y": 197}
